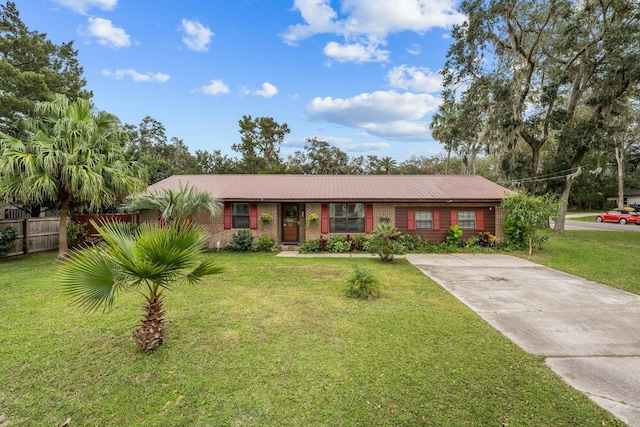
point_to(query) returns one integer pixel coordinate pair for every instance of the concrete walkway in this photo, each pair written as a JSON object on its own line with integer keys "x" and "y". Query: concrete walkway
{"x": 589, "y": 333}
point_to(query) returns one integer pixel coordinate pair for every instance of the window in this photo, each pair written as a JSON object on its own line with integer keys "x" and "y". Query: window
{"x": 346, "y": 218}
{"x": 424, "y": 220}
{"x": 240, "y": 215}
{"x": 467, "y": 220}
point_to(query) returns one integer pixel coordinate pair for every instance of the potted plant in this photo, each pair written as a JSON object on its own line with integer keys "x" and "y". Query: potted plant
{"x": 265, "y": 218}
{"x": 312, "y": 218}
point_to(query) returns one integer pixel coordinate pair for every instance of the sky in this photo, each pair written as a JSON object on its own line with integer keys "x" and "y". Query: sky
{"x": 359, "y": 74}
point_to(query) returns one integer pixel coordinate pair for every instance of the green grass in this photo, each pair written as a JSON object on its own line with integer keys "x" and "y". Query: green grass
{"x": 591, "y": 218}
{"x": 272, "y": 342}
{"x": 603, "y": 256}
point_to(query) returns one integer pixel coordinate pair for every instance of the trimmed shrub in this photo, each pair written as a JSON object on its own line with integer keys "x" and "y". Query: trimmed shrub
{"x": 266, "y": 244}
{"x": 362, "y": 284}
{"x": 242, "y": 241}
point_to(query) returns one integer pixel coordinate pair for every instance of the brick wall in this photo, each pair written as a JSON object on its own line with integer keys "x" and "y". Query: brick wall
{"x": 396, "y": 213}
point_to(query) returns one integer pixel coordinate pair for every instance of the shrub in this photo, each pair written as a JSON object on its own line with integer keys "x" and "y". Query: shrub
{"x": 363, "y": 285}
{"x": 413, "y": 243}
{"x": 454, "y": 235}
{"x": 242, "y": 241}
{"x": 77, "y": 234}
{"x": 8, "y": 237}
{"x": 359, "y": 242}
{"x": 339, "y": 244}
{"x": 310, "y": 246}
{"x": 266, "y": 244}
{"x": 384, "y": 242}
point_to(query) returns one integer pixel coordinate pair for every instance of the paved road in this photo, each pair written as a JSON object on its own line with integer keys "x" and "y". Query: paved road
{"x": 608, "y": 226}
{"x": 590, "y": 333}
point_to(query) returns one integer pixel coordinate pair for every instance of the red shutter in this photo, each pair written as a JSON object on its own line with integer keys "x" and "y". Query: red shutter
{"x": 436, "y": 220}
{"x": 227, "y": 216}
{"x": 454, "y": 218}
{"x": 480, "y": 220}
{"x": 324, "y": 219}
{"x": 411, "y": 220}
{"x": 253, "y": 217}
{"x": 368, "y": 218}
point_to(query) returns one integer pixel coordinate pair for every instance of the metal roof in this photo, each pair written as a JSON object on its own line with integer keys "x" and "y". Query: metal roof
{"x": 325, "y": 188}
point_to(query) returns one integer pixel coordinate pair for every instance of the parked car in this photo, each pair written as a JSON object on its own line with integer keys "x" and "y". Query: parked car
{"x": 620, "y": 216}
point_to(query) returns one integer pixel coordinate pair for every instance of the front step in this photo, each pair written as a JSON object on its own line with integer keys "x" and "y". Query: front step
{"x": 289, "y": 247}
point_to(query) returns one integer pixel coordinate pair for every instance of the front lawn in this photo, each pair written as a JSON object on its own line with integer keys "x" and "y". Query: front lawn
{"x": 272, "y": 342}
{"x": 606, "y": 257}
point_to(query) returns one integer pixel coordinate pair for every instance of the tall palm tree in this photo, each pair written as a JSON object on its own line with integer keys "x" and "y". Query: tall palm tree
{"x": 150, "y": 260}
{"x": 70, "y": 154}
{"x": 388, "y": 164}
{"x": 177, "y": 204}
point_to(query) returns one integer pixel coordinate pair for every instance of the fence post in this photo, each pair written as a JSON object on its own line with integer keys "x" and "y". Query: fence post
{"x": 25, "y": 236}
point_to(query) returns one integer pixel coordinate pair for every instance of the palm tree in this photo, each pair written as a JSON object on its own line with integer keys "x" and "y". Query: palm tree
{"x": 150, "y": 260}
{"x": 70, "y": 154}
{"x": 388, "y": 164}
{"x": 177, "y": 204}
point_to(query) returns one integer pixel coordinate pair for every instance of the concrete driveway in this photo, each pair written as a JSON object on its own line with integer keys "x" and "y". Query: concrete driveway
{"x": 588, "y": 332}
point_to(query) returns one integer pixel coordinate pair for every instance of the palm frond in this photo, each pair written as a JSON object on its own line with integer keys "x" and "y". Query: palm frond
{"x": 91, "y": 279}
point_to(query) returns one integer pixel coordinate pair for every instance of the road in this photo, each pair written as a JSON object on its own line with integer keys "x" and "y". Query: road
{"x": 588, "y": 225}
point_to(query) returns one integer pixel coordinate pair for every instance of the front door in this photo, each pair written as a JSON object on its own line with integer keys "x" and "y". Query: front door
{"x": 290, "y": 222}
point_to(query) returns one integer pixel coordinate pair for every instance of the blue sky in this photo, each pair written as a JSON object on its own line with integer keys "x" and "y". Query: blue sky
{"x": 359, "y": 74}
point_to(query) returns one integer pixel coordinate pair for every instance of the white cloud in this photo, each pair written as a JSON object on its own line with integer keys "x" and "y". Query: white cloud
{"x": 215, "y": 87}
{"x": 416, "y": 79}
{"x": 197, "y": 37}
{"x": 387, "y": 114}
{"x": 370, "y": 21}
{"x": 319, "y": 18}
{"x": 414, "y": 49}
{"x": 82, "y": 6}
{"x": 268, "y": 90}
{"x": 107, "y": 34}
{"x": 355, "y": 53}
{"x": 136, "y": 76}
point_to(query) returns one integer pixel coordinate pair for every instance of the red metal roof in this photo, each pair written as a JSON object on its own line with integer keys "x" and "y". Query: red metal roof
{"x": 318, "y": 188}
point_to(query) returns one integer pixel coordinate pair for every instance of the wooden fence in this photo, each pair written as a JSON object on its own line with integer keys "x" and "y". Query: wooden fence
{"x": 34, "y": 234}
{"x": 42, "y": 233}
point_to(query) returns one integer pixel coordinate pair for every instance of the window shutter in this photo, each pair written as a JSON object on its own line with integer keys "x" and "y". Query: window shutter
{"x": 324, "y": 219}
{"x": 454, "y": 217}
{"x": 480, "y": 220}
{"x": 436, "y": 220}
{"x": 227, "y": 216}
{"x": 253, "y": 217}
{"x": 368, "y": 218}
{"x": 411, "y": 220}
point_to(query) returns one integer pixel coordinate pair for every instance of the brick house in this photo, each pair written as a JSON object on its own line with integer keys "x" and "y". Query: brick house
{"x": 426, "y": 205}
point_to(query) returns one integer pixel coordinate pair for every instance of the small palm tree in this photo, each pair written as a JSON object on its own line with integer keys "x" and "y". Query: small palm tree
{"x": 177, "y": 204}
{"x": 150, "y": 259}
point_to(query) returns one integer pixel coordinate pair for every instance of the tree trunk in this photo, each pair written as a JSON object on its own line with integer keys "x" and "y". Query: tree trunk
{"x": 620, "y": 162}
{"x": 150, "y": 334}
{"x": 564, "y": 201}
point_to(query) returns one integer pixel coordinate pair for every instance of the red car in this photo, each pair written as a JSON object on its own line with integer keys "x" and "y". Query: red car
{"x": 623, "y": 217}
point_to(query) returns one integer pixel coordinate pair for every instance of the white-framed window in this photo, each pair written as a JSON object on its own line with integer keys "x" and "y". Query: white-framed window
{"x": 424, "y": 220}
{"x": 467, "y": 220}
